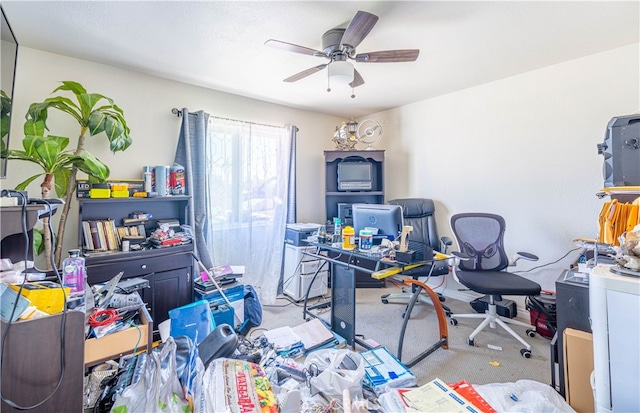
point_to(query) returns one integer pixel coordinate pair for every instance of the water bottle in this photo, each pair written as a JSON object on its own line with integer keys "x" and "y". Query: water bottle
{"x": 74, "y": 272}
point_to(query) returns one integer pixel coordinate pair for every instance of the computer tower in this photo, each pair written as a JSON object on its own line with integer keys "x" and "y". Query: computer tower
{"x": 299, "y": 271}
{"x": 621, "y": 151}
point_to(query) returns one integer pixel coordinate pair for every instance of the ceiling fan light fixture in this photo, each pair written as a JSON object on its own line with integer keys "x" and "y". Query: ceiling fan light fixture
{"x": 341, "y": 72}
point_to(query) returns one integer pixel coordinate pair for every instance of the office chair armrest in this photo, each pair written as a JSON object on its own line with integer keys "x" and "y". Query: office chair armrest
{"x": 460, "y": 255}
{"x": 525, "y": 256}
{"x": 446, "y": 242}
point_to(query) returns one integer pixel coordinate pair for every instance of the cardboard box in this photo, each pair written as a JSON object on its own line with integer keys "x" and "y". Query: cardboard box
{"x": 113, "y": 346}
{"x": 578, "y": 365}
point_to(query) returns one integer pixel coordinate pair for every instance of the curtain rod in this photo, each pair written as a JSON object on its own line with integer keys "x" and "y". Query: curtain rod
{"x": 178, "y": 112}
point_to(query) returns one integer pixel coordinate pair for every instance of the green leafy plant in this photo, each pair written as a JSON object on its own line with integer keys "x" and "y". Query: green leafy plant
{"x": 95, "y": 114}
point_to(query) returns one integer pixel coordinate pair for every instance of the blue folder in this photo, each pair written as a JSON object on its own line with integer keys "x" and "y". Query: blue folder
{"x": 193, "y": 320}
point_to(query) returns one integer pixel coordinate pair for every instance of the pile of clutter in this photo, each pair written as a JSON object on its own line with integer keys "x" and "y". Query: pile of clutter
{"x": 628, "y": 254}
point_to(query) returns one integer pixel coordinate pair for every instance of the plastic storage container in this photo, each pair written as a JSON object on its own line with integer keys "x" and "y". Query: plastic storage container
{"x": 348, "y": 238}
{"x": 74, "y": 272}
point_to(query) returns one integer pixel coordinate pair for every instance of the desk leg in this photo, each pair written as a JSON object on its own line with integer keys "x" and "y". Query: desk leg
{"x": 343, "y": 303}
{"x": 442, "y": 322}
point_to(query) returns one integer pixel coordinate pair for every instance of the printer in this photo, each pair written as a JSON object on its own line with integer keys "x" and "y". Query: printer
{"x": 296, "y": 234}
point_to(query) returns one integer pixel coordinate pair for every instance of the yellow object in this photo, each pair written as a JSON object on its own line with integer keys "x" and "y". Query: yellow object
{"x": 139, "y": 194}
{"x": 100, "y": 193}
{"x": 388, "y": 272}
{"x": 348, "y": 238}
{"x": 119, "y": 187}
{"x": 494, "y": 363}
{"x": 47, "y": 296}
{"x": 119, "y": 193}
{"x": 616, "y": 218}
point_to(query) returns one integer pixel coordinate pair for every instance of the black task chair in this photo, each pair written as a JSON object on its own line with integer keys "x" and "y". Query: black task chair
{"x": 481, "y": 268}
{"x": 419, "y": 213}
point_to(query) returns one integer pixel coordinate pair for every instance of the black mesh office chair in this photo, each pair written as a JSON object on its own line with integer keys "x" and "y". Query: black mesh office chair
{"x": 419, "y": 213}
{"x": 480, "y": 239}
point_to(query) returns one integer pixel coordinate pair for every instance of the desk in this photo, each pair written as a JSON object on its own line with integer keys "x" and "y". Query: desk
{"x": 343, "y": 297}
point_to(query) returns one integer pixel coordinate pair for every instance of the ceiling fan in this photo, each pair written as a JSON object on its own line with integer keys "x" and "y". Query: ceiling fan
{"x": 339, "y": 46}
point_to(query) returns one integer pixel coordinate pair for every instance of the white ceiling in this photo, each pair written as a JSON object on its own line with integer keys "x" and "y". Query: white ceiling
{"x": 220, "y": 44}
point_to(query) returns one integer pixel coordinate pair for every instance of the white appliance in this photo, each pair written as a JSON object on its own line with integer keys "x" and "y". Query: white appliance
{"x": 614, "y": 309}
{"x": 298, "y": 273}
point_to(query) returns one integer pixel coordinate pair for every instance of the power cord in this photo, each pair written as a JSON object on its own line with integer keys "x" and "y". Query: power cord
{"x": 549, "y": 263}
{"x": 25, "y": 233}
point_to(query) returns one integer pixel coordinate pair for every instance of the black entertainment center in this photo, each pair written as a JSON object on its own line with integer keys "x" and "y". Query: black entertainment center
{"x": 354, "y": 177}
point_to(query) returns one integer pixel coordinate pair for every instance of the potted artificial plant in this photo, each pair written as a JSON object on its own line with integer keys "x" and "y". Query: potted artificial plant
{"x": 95, "y": 114}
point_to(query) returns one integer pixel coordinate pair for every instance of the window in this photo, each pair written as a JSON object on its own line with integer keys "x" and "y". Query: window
{"x": 247, "y": 187}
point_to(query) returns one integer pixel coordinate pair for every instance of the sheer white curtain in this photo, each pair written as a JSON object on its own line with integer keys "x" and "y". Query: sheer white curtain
{"x": 247, "y": 190}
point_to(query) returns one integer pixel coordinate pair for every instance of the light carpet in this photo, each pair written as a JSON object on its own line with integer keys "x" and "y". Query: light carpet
{"x": 477, "y": 364}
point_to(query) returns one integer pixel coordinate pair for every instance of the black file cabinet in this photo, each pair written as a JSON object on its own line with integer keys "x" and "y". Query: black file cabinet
{"x": 572, "y": 311}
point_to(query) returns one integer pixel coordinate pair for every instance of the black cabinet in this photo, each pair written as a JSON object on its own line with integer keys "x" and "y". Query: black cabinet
{"x": 334, "y": 196}
{"x": 572, "y": 311}
{"x": 169, "y": 270}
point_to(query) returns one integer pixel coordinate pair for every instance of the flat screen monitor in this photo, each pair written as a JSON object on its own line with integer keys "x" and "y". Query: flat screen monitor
{"x": 355, "y": 176}
{"x": 387, "y": 219}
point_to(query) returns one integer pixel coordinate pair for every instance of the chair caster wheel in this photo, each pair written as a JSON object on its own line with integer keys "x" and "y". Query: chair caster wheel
{"x": 383, "y": 298}
{"x": 441, "y": 298}
{"x": 525, "y": 353}
{"x": 453, "y": 322}
{"x": 471, "y": 342}
{"x": 531, "y": 333}
{"x": 448, "y": 313}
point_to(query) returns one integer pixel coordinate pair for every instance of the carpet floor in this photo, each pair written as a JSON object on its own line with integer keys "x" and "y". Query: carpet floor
{"x": 494, "y": 358}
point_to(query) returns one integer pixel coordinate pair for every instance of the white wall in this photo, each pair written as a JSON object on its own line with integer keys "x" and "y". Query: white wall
{"x": 147, "y": 102}
{"x": 523, "y": 147}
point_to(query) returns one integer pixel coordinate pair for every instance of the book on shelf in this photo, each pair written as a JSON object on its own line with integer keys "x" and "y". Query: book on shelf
{"x": 100, "y": 235}
{"x": 132, "y": 231}
{"x": 171, "y": 222}
{"x": 134, "y": 221}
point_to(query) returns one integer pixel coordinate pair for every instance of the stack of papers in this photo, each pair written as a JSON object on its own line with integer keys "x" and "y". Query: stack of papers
{"x": 313, "y": 334}
{"x": 283, "y": 339}
{"x": 437, "y": 396}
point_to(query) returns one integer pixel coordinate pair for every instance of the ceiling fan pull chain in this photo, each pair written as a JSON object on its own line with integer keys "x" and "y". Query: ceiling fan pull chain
{"x": 328, "y": 82}
{"x": 353, "y": 93}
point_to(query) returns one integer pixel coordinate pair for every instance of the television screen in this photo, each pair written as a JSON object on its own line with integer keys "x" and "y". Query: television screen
{"x": 355, "y": 176}
{"x": 387, "y": 219}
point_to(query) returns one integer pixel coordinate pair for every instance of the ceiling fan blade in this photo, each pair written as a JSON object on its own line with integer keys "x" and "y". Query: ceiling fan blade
{"x": 358, "y": 28}
{"x": 306, "y": 73}
{"x": 408, "y": 55}
{"x": 357, "y": 79}
{"x": 290, "y": 47}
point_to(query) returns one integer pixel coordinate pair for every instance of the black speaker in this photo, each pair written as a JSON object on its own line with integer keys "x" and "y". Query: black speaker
{"x": 621, "y": 151}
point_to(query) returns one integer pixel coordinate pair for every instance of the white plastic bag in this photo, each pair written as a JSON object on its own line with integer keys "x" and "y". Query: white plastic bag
{"x": 158, "y": 389}
{"x": 336, "y": 372}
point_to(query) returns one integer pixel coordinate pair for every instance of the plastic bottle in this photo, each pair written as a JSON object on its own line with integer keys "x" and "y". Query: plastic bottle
{"x": 337, "y": 230}
{"x": 366, "y": 239}
{"x": 74, "y": 272}
{"x": 348, "y": 238}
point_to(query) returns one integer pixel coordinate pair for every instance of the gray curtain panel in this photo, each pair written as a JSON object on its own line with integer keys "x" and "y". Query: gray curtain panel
{"x": 190, "y": 153}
